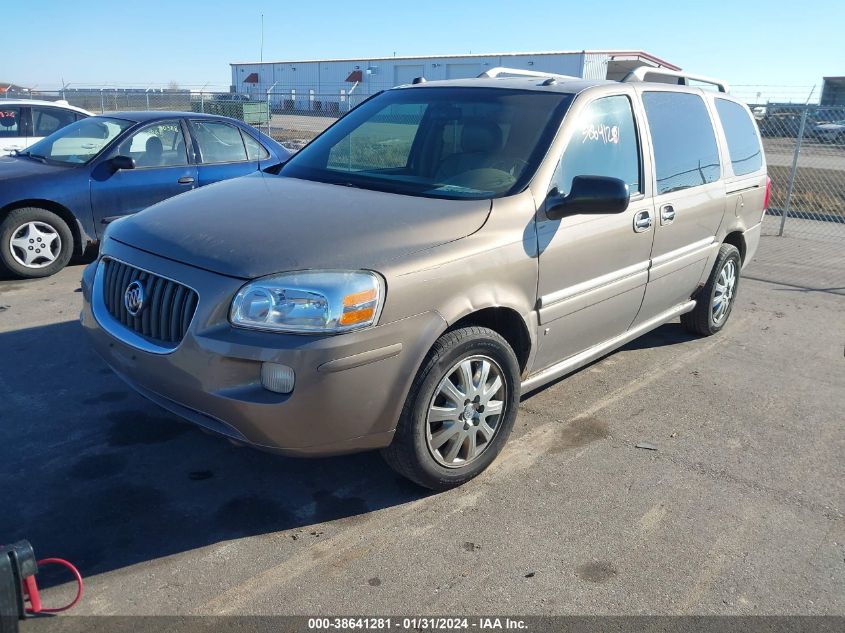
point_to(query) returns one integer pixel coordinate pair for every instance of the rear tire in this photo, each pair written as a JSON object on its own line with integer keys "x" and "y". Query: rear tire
{"x": 459, "y": 411}
{"x": 34, "y": 243}
{"x": 715, "y": 300}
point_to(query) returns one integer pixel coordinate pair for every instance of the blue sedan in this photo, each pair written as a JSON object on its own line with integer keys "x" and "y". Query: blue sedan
{"x": 57, "y": 197}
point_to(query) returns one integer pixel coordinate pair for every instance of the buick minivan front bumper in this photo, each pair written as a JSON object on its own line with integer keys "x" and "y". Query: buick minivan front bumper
{"x": 349, "y": 389}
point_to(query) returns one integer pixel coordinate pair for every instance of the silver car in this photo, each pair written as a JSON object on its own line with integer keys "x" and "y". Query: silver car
{"x": 830, "y": 131}
{"x": 441, "y": 249}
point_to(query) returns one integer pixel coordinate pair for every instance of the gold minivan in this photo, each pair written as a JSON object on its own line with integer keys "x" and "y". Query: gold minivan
{"x": 439, "y": 250}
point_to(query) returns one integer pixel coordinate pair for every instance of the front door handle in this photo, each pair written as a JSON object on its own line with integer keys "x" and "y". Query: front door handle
{"x": 667, "y": 214}
{"x": 642, "y": 221}
{"x": 186, "y": 180}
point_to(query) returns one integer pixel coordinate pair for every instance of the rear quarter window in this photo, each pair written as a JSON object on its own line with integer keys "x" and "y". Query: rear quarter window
{"x": 743, "y": 142}
{"x": 685, "y": 150}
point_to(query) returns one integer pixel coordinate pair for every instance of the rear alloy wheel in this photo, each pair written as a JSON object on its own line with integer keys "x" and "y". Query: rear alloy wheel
{"x": 715, "y": 300}
{"x": 459, "y": 411}
{"x": 34, "y": 242}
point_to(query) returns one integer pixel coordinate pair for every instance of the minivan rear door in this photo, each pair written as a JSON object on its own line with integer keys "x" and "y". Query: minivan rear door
{"x": 689, "y": 197}
{"x": 746, "y": 180}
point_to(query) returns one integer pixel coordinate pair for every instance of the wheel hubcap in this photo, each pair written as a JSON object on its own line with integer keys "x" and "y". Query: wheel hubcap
{"x": 465, "y": 413}
{"x": 724, "y": 292}
{"x": 35, "y": 244}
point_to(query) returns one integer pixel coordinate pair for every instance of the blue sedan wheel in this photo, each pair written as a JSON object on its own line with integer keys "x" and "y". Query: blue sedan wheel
{"x": 34, "y": 242}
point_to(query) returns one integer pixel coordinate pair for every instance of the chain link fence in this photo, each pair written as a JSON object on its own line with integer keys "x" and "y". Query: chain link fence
{"x": 805, "y": 151}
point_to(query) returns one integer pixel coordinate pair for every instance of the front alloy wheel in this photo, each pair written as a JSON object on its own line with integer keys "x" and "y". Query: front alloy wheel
{"x": 459, "y": 411}
{"x": 464, "y": 413}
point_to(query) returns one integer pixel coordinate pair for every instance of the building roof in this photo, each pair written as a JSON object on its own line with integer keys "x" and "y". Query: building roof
{"x": 612, "y": 53}
{"x": 7, "y": 86}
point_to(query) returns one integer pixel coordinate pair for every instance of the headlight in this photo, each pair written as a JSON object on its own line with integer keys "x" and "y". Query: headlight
{"x": 310, "y": 301}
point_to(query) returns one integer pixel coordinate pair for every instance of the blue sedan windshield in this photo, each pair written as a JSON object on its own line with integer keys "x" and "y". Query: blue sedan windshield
{"x": 79, "y": 142}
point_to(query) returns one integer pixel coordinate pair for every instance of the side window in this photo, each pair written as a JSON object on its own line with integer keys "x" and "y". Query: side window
{"x": 45, "y": 121}
{"x": 254, "y": 149}
{"x": 604, "y": 144}
{"x": 685, "y": 151}
{"x": 158, "y": 145}
{"x": 743, "y": 143}
{"x": 10, "y": 122}
{"x": 219, "y": 142}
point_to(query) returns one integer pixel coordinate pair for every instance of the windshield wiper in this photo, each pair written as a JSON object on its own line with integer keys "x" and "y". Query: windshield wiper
{"x": 38, "y": 157}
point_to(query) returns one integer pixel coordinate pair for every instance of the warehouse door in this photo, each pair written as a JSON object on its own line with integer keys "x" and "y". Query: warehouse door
{"x": 462, "y": 71}
{"x": 406, "y": 73}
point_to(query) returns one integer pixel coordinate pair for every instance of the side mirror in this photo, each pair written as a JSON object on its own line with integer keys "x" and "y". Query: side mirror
{"x": 589, "y": 194}
{"x": 122, "y": 162}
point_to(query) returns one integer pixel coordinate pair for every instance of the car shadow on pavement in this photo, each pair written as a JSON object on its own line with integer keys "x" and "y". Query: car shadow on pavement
{"x": 665, "y": 335}
{"x": 94, "y": 473}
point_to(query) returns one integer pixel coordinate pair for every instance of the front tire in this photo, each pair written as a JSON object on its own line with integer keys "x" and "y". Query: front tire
{"x": 34, "y": 243}
{"x": 459, "y": 411}
{"x": 715, "y": 300}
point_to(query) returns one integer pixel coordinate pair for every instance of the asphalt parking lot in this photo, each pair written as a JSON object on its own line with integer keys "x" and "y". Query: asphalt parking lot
{"x": 738, "y": 511}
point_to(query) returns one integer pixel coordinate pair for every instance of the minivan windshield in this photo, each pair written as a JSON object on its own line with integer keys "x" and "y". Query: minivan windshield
{"x": 438, "y": 142}
{"x": 78, "y": 142}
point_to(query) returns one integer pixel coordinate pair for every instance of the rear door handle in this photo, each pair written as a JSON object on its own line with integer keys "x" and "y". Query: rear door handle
{"x": 185, "y": 180}
{"x": 642, "y": 221}
{"x": 667, "y": 214}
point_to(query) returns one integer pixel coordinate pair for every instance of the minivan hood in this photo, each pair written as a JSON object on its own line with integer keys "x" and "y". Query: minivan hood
{"x": 262, "y": 224}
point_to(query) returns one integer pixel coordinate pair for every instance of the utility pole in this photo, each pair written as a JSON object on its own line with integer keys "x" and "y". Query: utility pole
{"x": 261, "y": 52}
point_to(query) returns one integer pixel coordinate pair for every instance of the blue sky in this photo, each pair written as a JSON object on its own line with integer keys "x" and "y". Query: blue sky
{"x": 778, "y": 47}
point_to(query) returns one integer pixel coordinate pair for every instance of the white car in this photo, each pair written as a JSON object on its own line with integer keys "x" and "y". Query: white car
{"x": 26, "y": 121}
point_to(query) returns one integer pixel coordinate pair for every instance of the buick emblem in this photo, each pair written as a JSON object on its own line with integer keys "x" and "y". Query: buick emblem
{"x": 133, "y": 298}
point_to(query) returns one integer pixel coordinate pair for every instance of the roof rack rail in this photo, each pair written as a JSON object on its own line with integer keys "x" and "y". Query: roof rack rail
{"x": 516, "y": 72}
{"x": 639, "y": 74}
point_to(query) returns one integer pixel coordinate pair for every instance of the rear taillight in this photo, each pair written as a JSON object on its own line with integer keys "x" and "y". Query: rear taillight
{"x": 768, "y": 195}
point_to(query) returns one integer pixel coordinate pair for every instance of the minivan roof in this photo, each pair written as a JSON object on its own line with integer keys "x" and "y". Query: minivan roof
{"x": 540, "y": 84}
{"x": 562, "y": 85}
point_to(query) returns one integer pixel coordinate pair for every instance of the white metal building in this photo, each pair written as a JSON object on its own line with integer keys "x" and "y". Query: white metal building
{"x": 331, "y": 84}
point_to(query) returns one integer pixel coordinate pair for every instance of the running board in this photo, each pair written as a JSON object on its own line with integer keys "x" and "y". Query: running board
{"x": 597, "y": 351}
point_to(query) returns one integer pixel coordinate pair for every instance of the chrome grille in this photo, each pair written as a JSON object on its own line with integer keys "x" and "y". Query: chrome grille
{"x": 168, "y": 306}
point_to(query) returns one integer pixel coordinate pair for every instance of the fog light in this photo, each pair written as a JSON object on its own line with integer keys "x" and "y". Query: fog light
{"x": 278, "y": 378}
